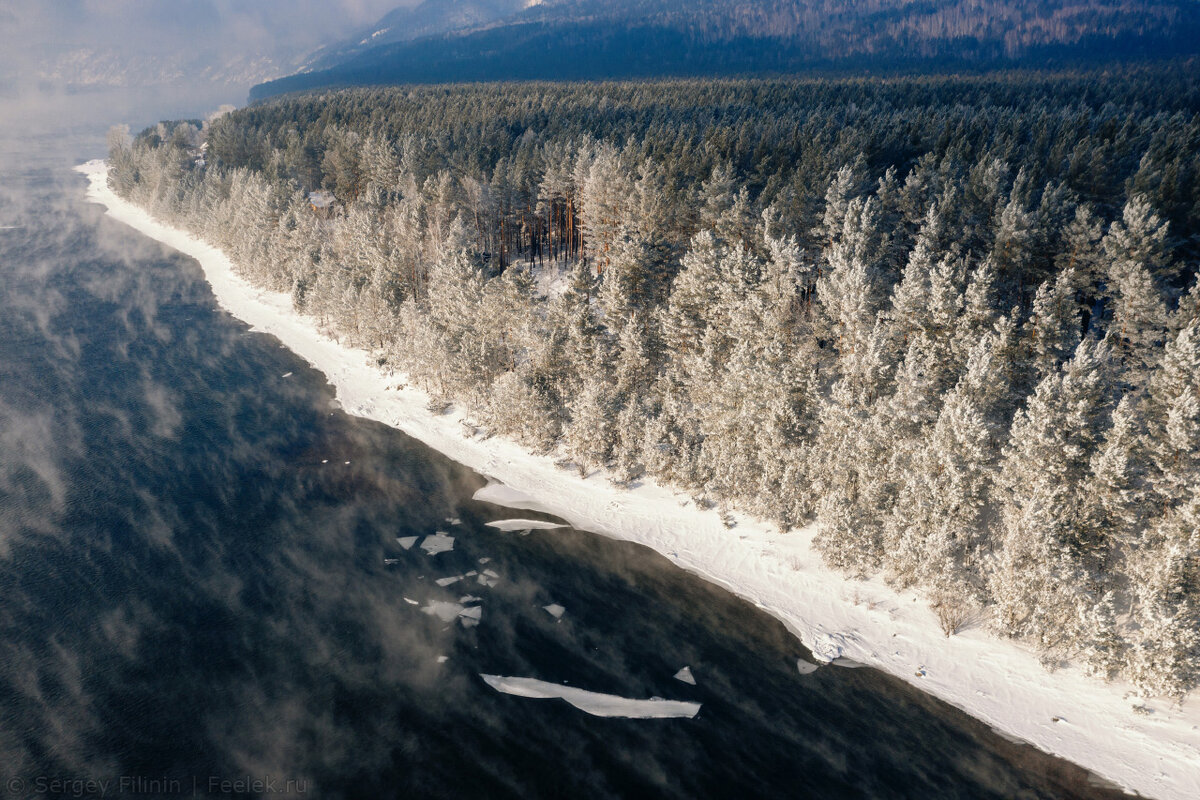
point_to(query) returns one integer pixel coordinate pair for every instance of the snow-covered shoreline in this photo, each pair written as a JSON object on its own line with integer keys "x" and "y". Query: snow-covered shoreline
{"x": 1066, "y": 713}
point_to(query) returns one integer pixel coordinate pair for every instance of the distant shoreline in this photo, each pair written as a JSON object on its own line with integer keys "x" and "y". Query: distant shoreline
{"x": 997, "y": 681}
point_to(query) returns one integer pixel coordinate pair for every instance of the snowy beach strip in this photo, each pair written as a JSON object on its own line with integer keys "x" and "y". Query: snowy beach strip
{"x": 1155, "y": 752}
{"x": 594, "y": 703}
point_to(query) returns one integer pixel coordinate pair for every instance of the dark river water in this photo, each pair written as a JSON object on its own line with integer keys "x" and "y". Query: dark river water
{"x": 196, "y": 594}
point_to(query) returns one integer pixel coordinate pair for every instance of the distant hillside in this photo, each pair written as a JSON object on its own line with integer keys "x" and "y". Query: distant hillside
{"x": 430, "y": 18}
{"x": 443, "y": 40}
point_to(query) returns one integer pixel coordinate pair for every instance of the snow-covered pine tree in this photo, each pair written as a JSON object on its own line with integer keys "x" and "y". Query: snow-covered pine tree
{"x": 1165, "y": 658}
{"x": 1139, "y": 237}
{"x": 845, "y": 186}
{"x": 910, "y": 297}
{"x": 604, "y": 197}
{"x": 938, "y": 532}
{"x": 672, "y": 437}
{"x": 1173, "y": 419}
{"x": 634, "y": 379}
{"x": 693, "y": 293}
{"x": 1050, "y": 548}
{"x": 848, "y": 462}
{"x": 979, "y": 313}
{"x": 850, "y": 290}
{"x": 1082, "y": 252}
{"x": 576, "y": 319}
{"x": 1115, "y": 491}
{"x": 1139, "y": 319}
{"x": 1188, "y": 310}
{"x": 1053, "y": 327}
{"x": 589, "y": 436}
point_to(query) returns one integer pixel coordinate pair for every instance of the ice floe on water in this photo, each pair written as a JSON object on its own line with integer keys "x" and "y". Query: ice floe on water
{"x": 524, "y": 524}
{"x": 449, "y": 580}
{"x": 407, "y": 541}
{"x": 443, "y": 610}
{"x": 448, "y": 612}
{"x": 440, "y": 542}
{"x": 488, "y": 578}
{"x": 595, "y": 703}
{"x": 805, "y": 667}
{"x": 555, "y": 610}
{"x": 453, "y": 521}
{"x": 443, "y": 659}
{"x": 411, "y": 602}
{"x": 685, "y": 675}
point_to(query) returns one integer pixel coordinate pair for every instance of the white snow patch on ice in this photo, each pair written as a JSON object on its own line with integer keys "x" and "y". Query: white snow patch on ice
{"x": 998, "y": 681}
{"x": 848, "y": 663}
{"x": 438, "y": 543}
{"x": 686, "y": 676}
{"x": 600, "y": 705}
{"x": 501, "y": 494}
{"x": 524, "y": 524}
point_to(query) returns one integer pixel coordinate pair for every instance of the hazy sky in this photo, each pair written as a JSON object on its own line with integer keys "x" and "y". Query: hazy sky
{"x": 147, "y": 42}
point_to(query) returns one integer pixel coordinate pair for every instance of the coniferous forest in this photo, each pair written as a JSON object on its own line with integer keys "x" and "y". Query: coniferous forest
{"x": 954, "y": 321}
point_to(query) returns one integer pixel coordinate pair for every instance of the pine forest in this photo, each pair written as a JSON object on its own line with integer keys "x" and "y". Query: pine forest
{"x": 953, "y": 321}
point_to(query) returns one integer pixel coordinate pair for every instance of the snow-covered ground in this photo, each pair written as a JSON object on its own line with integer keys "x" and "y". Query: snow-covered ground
{"x": 1154, "y": 750}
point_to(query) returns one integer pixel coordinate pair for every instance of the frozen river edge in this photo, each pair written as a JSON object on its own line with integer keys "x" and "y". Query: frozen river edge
{"x": 1154, "y": 751}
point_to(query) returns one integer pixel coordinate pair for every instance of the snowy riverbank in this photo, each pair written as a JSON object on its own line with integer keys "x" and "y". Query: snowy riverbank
{"x": 1155, "y": 752}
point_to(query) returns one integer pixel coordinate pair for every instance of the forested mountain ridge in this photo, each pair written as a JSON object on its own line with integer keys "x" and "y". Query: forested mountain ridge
{"x": 442, "y": 40}
{"x": 955, "y": 321}
{"x": 429, "y": 18}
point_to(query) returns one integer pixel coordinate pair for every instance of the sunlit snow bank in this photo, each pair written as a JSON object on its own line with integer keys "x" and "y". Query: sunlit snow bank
{"x": 600, "y": 705}
{"x": 504, "y": 495}
{"x": 1155, "y": 751}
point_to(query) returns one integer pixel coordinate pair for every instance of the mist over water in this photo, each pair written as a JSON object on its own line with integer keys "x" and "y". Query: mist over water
{"x": 195, "y": 587}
